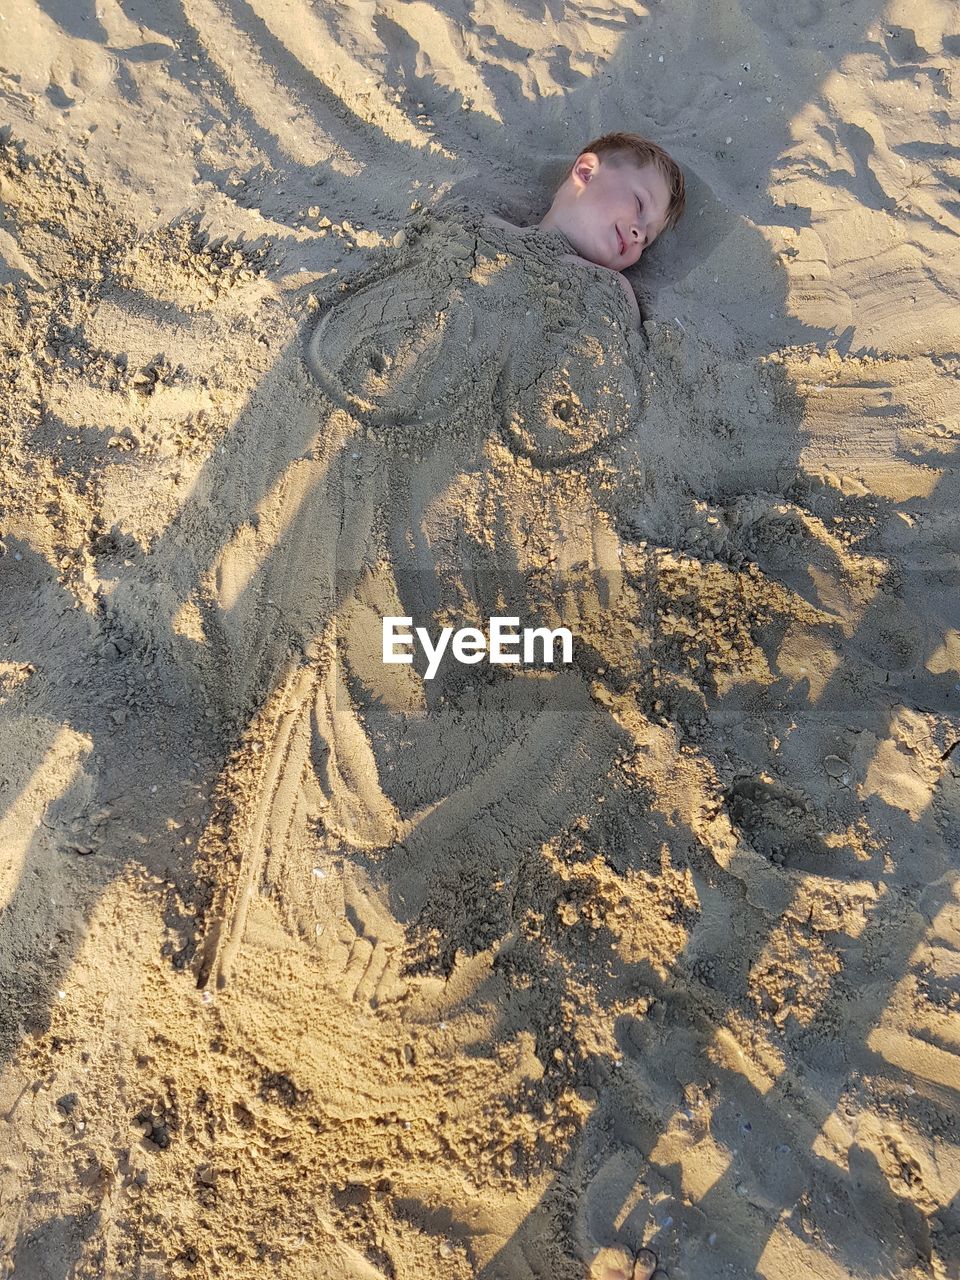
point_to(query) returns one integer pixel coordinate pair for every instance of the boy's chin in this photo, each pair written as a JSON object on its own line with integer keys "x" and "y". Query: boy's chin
{"x": 587, "y": 250}
{"x": 604, "y": 258}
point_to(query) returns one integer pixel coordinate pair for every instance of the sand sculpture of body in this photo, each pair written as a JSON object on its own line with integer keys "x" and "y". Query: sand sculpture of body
{"x": 470, "y": 361}
{"x": 390, "y": 823}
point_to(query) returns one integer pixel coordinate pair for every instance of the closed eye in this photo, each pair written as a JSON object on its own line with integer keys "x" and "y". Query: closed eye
{"x": 639, "y": 204}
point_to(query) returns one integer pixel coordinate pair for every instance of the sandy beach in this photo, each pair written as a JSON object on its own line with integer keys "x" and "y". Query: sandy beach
{"x": 315, "y": 968}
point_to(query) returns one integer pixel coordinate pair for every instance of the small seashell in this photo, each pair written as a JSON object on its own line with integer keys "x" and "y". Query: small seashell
{"x": 834, "y": 766}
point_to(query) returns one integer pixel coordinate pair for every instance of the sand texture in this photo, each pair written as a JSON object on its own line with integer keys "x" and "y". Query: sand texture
{"x": 315, "y": 969}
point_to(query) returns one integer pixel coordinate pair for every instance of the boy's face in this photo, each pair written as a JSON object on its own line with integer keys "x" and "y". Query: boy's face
{"x": 610, "y": 211}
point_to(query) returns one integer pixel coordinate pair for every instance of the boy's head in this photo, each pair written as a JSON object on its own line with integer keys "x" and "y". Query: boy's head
{"x": 621, "y": 192}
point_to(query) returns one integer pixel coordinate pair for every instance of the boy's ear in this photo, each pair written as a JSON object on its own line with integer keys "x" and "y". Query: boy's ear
{"x": 585, "y": 166}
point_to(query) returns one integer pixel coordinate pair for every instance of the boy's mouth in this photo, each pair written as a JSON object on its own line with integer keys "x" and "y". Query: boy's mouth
{"x": 620, "y": 243}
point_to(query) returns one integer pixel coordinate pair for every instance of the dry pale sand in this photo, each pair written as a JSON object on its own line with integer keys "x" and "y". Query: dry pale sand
{"x": 312, "y": 968}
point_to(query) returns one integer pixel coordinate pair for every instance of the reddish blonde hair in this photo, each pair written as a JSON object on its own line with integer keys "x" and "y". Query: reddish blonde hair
{"x": 631, "y": 148}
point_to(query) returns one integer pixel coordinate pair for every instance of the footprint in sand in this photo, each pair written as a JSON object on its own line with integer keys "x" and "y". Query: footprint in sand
{"x": 784, "y": 827}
